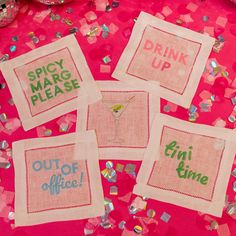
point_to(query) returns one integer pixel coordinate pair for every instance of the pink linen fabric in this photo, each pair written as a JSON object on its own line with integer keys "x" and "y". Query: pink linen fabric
{"x": 68, "y": 68}
{"x": 41, "y": 200}
{"x": 132, "y": 122}
{"x": 159, "y": 49}
{"x": 205, "y": 159}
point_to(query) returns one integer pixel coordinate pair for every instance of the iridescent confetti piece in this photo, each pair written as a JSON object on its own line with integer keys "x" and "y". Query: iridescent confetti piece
{"x": 138, "y": 229}
{"x": 69, "y": 10}
{"x": 119, "y": 167}
{"x": 58, "y": 35}
{"x": 14, "y": 38}
{"x": 130, "y": 168}
{"x": 3, "y": 117}
{"x": 106, "y": 59}
{"x": 113, "y": 190}
{"x": 133, "y": 210}
{"x": 214, "y": 225}
{"x": 67, "y": 21}
{"x": 192, "y": 109}
{"x": 221, "y": 38}
{"x": 205, "y": 18}
{"x": 2, "y": 85}
{"x": 165, "y": 217}
{"x": 232, "y": 116}
{"x": 108, "y": 205}
{"x": 4, "y": 145}
{"x": 108, "y": 8}
{"x": 151, "y": 213}
{"x": 234, "y": 173}
{"x": 233, "y": 100}
{"x": 166, "y": 108}
{"x": 5, "y": 164}
{"x": 11, "y": 215}
{"x": 73, "y": 30}
{"x": 12, "y": 48}
{"x": 64, "y": 127}
{"x": 35, "y": 40}
{"x": 234, "y": 186}
{"x": 109, "y": 164}
{"x": 137, "y": 205}
{"x": 121, "y": 225}
{"x": 231, "y": 209}
{"x": 218, "y": 46}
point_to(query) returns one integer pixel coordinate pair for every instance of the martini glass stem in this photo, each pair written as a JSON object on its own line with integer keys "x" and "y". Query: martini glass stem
{"x": 116, "y": 128}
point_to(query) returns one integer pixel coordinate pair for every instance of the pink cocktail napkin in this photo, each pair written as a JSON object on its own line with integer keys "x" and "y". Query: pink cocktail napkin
{"x": 187, "y": 164}
{"x": 57, "y": 179}
{"x": 162, "y": 52}
{"x": 122, "y": 119}
{"x": 46, "y": 82}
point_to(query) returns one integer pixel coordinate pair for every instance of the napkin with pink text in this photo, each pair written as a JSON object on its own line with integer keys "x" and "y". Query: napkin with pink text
{"x": 162, "y": 52}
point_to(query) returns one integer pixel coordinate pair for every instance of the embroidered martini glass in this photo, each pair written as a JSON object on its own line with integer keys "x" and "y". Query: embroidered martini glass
{"x": 117, "y": 108}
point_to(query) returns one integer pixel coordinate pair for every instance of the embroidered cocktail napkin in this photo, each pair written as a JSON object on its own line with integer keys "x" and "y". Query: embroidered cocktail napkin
{"x": 122, "y": 119}
{"x": 187, "y": 164}
{"x": 167, "y": 53}
{"x": 51, "y": 185}
{"x": 46, "y": 82}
